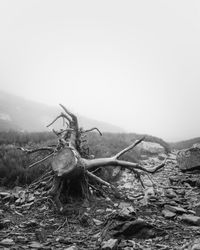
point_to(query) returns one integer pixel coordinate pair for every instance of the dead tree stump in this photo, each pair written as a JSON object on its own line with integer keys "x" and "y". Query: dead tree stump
{"x": 71, "y": 173}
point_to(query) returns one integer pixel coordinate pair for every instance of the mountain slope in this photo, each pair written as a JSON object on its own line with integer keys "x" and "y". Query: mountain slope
{"x": 185, "y": 144}
{"x": 17, "y": 113}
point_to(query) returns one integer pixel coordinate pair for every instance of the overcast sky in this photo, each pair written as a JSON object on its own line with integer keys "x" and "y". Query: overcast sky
{"x": 135, "y": 64}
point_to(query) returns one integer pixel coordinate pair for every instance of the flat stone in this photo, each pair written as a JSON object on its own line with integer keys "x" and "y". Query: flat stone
{"x": 36, "y": 245}
{"x": 108, "y": 210}
{"x": 138, "y": 228}
{"x": 71, "y": 248}
{"x": 97, "y": 222}
{"x": 127, "y": 212}
{"x": 7, "y": 242}
{"x": 110, "y": 244}
{"x": 169, "y": 193}
{"x": 196, "y": 246}
{"x": 175, "y": 209}
{"x": 21, "y": 239}
{"x": 191, "y": 219}
{"x": 96, "y": 236}
{"x": 100, "y": 211}
{"x": 148, "y": 183}
{"x": 5, "y": 194}
{"x": 168, "y": 214}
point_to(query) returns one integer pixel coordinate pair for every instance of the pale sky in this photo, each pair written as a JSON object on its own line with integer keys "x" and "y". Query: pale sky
{"x": 135, "y": 64}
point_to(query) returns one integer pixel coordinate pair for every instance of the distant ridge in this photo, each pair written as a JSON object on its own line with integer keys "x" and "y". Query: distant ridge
{"x": 185, "y": 144}
{"x": 17, "y": 113}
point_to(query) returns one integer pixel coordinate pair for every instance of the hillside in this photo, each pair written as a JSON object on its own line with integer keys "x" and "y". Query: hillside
{"x": 19, "y": 114}
{"x": 185, "y": 144}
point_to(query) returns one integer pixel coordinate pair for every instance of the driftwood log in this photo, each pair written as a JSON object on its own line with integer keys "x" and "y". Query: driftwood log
{"x": 72, "y": 171}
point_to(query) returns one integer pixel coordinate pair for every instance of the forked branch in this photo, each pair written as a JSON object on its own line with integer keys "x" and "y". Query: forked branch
{"x": 72, "y": 116}
{"x": 106, "y": 162}
{"x": 92, "y": 129}
{"x": 128, "y": 148}
{"x": 62, "y": 115}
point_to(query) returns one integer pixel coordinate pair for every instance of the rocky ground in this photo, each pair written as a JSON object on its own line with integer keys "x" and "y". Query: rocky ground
{"x": 163, "y": 215}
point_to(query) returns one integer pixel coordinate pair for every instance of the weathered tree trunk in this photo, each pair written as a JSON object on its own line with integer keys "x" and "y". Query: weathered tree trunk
{"x": 73, "y": 170}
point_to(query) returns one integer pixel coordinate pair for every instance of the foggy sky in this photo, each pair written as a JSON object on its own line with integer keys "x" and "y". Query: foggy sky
{"x": 135, "y": 64}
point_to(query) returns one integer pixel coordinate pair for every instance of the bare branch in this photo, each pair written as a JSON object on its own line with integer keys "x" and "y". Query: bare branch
{"x": 58, "y": 133}
{"x": 30, "y": 151}
{"x": 130, "y": 165}
{"x": 98, "y": 179}
{"x": 55, "y": 132}
{"x": 105, "y": 162}
{"x": 40, "y": 161}
{"x": 89, "y": 130}
{"x": 62, "y": 115}
{"x": 73, "y": 117}
{"x": 128, "y": 148}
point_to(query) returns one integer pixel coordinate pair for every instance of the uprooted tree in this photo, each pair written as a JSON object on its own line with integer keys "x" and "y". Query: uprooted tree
{"x": 72, "y": 170}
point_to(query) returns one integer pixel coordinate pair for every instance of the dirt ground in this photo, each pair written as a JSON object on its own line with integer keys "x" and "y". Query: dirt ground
{"x": 89, "y": 224}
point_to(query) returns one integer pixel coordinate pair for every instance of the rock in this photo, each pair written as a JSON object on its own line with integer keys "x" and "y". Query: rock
{"x": 100, "y": 211}
{"x": 7, "y": 242}
{"x": 148, "y": 183}
{"x": 196, "y": 246}
{"x": 31, "y": 198}
{"x": 188, "y": 159}
{"x": 71, "y": 248}
{"x": 110, "y": 244}
{"x": 168, "y": 214}
{"x": 5, "y": 194}
{"x": 175, "y": 209}
{"x": 191, "y": 219}
{"x": 173, "y": 179}
{"x": 97, "y": 222}
{"x": 169, "y": 193}
{"x": 151, "y": 147}
{"x": 137, "y": 228}
{"x": 108, "y": 210}
{"x": 65, "y": 240}
{"x": 180, "y": 192}
{"x": 21, "y": 239}
{"x": 4, "y": 223}
{"x": 36, "y": 245}
{"x": 96, "y": 236}
{"x": 21, "y": 199}
{"x": 197, "y": 209}
{"x": 85, "y": 220}
{"x": 41, "y": 235}
{"x": 31, "y": 223}
{"x": 126, "y": 213}
{"x": 161, "y": 157}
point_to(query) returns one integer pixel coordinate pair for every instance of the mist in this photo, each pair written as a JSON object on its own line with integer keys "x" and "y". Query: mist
{"x": 134, "y": 64}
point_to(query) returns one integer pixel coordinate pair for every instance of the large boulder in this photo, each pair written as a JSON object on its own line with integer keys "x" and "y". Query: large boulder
{"x": 189, "y": 159}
